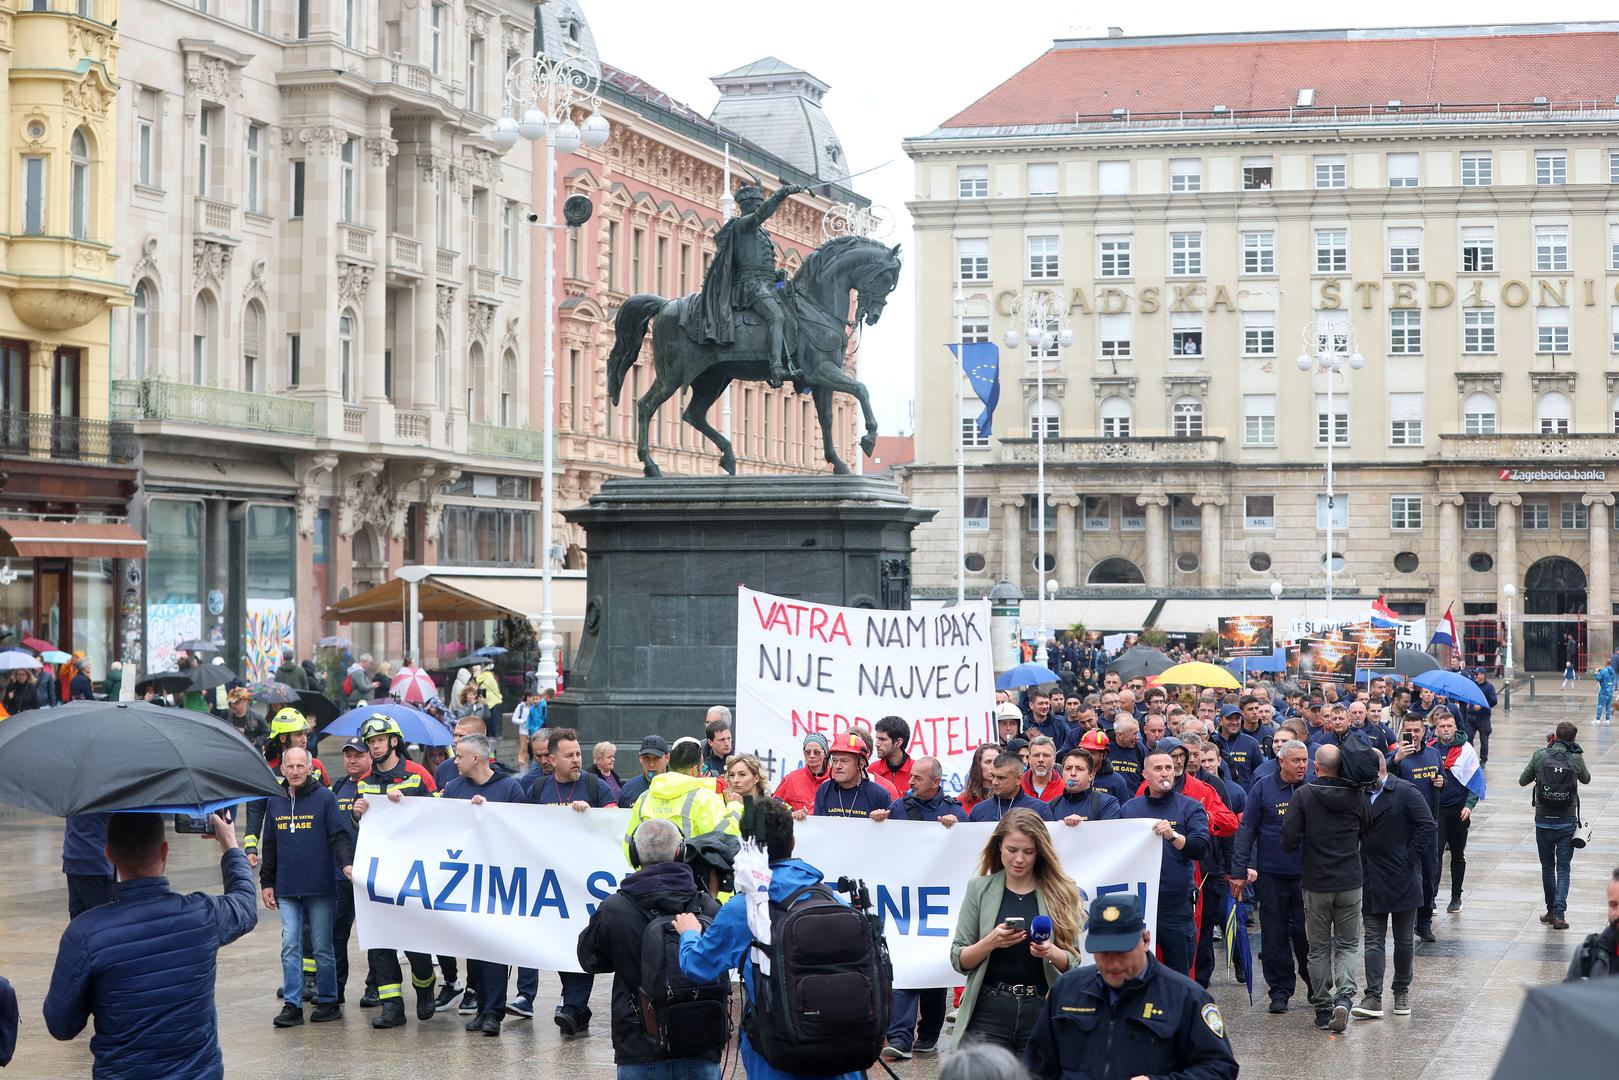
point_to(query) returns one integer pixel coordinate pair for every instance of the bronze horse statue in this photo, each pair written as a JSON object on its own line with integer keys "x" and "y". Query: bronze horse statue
{"x": 816, "y": 300}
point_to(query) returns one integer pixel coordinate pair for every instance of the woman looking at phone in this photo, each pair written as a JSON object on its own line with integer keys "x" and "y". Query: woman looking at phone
{"x": 1009, "y": 961}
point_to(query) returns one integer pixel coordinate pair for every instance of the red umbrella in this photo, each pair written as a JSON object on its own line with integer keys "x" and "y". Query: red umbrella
{"x": 413, "y": 685}
{"x": 38, "y": 645}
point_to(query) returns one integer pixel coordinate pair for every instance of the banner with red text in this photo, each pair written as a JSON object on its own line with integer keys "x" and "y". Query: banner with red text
{"x": 803, "y": 667}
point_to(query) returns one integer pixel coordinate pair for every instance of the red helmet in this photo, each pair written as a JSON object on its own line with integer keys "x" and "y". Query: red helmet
{"x": 1093, "y": 740}
{"x": 850, "y": 742}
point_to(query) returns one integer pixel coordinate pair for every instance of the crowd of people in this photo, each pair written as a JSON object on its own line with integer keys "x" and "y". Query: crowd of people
{"x": 1325, "y": 811}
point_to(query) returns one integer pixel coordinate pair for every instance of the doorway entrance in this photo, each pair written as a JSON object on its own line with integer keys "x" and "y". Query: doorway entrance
{"x": 1553, "y": 586}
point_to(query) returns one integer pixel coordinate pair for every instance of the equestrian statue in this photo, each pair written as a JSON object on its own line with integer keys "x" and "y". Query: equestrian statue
{"x": 752, "y": 322}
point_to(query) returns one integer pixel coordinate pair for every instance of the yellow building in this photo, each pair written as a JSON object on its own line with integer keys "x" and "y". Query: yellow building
{"x": 67, "y": 472}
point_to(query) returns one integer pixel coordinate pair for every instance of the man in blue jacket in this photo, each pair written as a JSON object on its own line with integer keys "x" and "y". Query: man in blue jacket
{"x": 1081, "y": 800}
{"x": 1183, "y": 825}
{"x": 1477, "y": 717}
{"x": 144, "y": 966}
{"x": 1416, "y": 758}
{"x": 1238, "y": 747}
{"x": 1257, "y": 858}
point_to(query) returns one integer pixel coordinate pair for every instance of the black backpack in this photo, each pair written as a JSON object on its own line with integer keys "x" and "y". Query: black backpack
{"x": 684, "y": 1017}
{"x": 1358, "y": 759}
{"x": 823, "y": 1009}
{"x": 1554, "y": 782}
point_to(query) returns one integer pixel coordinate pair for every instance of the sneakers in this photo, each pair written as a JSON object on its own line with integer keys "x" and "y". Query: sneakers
{"x": 447, "y": 993}
{"x": 926, "y": 1046}
{"x": 289, "y": 1016}
{"x": 1402, "y": 1003}
{"x": 1340, "y": 1018}
{"x": 326, "y": 1013}
{"x": 950, "y": 1017}
{"x": 895, "y": 1052}
{"x": 522, "y": 1005}
{"x": 1323, "y": 1018}
{"x": 1370, "y": 1008}
{"x": 469, "y": 1003}
{"x": 1559, "y": 923}
{"x": 1455, "y": 905}
{"x": 1278, "y": 1006}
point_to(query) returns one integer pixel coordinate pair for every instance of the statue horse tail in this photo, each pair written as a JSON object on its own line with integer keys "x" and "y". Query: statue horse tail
{"x": 630, "y": 327}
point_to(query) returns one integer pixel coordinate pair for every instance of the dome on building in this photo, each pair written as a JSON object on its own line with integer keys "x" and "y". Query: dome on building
{"x": 777, "y": 107}
{"x": 561, "y": 30}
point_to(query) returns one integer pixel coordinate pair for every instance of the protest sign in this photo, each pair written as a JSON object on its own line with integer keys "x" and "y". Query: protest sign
{"x": 1327, "y": 659}
{"x": 1246, "y": 635}
{"x": 515, "y": 884}
{"x": 803, "y": 667}
{"x": 1374, "y": 647}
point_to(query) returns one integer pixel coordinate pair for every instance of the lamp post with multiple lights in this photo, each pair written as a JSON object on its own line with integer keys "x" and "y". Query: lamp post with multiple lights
{"x": 1329, "y": 353}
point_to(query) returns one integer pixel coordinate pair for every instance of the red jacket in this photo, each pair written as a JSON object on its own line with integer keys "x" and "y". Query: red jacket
{"x": 797, "y": 788}
{"x": 899, "y": 779}
{"x": 1222, "y": 822}
{"x": 1054, "y": 787}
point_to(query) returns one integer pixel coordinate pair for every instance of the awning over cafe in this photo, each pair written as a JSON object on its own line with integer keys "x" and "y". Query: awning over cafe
{"x": 454, "y": 594}
{"x": 70, "y": 540}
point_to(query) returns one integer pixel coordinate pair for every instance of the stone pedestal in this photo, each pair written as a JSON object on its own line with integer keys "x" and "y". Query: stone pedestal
{"x": 665, "y": 559}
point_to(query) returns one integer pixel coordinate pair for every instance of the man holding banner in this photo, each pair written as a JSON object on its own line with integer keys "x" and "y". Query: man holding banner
{"x": 1183, "y": 825}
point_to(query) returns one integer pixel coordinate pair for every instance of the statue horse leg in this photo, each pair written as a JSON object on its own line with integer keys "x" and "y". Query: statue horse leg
{"x": 705, "y": 390}
{"x": 823, "y": 412}
{"x": 830, "y": 376}
{"x": 663, "y": 387}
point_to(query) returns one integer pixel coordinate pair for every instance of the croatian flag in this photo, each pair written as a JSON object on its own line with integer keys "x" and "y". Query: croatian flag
{"x": 1445, "y": 632}
{"x": 1464, "y": 766}
{"x": 1383, "y": 615}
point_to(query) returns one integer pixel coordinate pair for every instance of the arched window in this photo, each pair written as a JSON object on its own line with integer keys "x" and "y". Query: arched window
{"x": 345, "y": 356}
{"x": 441, "y": 370}
{"x": 79, "y": 156}
{"x": 1553, "y": 412}
{"x": 253, "y": 348}
{"x": 1187, "y": 422}
{"x": 508, "y": 389}
{"x": 1045, "y": 414}
{"x": 474, "y": 377}
{"x": 203, "y": 336}
{"x": 142, "y": 327}
{"x": 1115, "y": 418}
{"x": 1478, "y": 414}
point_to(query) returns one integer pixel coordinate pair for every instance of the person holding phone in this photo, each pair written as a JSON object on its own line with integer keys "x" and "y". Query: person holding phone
{"x": 1008, "y": 973}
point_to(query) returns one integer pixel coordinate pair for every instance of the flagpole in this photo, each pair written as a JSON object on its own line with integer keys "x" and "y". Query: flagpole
{"x": 961, "y": 457}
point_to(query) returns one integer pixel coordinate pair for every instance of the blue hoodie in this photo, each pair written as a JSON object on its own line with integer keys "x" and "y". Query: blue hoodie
{"x": 725, "y": 946}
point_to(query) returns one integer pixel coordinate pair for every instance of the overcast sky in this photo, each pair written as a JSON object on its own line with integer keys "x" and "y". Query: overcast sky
{"x": 900, "y": 67}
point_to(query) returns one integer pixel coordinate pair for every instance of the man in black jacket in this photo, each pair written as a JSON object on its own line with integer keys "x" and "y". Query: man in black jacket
{"x": 1328, "y": 818}
{"x": 612, "y": 943}
{"x": 1598, "y": 955}
{"x": 1392, "y": 858}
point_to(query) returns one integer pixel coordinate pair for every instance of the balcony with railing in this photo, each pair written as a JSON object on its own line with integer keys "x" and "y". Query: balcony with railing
{"x": 215, "y": 218}
{"x": 485, "y": 283}
{"x": 48, "y": 437}
{"x": 210, "y": 406}
{"x": 1508, "y": 450}
{"x": 404, "y": 255}
{"x": 495, "y": 440}
{"x": 354, "y": 420}
{"x": 413, "y": 427}
{"x": 446, "y": 266}
{"x": 1124, "y": 451}
{"x": 354, "y": 242}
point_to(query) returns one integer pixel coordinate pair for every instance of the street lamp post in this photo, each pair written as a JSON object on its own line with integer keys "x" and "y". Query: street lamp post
{"x": 1509, "y": 590}
{"x": 1044, "y": 329}
{"x": 542, "y": 92}
{"x": 960, "y": 305}
{"x": 1329, "y": 353}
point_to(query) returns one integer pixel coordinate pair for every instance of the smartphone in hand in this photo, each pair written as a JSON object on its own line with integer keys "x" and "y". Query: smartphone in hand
{"x": 194, "y": 825}
{"x": 1017, "y": 922}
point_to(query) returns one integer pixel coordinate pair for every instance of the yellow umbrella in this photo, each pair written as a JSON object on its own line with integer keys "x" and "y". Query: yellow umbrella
{"x": 1198, "y": 674}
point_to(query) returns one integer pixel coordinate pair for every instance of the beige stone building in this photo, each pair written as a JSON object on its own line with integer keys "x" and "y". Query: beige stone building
{"x": 1204, "y": 209}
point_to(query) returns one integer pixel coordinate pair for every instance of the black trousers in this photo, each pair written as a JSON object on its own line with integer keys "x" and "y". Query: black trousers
{"x": 86, "y": 891}
{"x": 447, "y": 968}
{"x": 388, "y": 979}
{"x": 1453, "y": 834}
{"x": 342, "y": 927}
{"x": 1376, "y": 928}
{"x": 489, "y": 980}
{"x": 1282, "y": 942}
{"x": 1004, "y": 1020}
{"x": 1214, "y": 894}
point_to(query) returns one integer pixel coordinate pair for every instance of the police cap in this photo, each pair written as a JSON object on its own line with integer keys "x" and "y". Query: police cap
{"x": 1115, "y": 923}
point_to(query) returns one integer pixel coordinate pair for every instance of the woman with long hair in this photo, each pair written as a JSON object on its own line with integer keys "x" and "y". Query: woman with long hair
{"x": 1008, "y": 973}
{"x": 744, "y": 776}
{"x": 977, "y": 787}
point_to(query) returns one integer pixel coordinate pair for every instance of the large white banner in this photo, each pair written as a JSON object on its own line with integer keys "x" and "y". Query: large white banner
{"x": 804, "y": 667}
{"x": 517, "y": 883}
{"x": 1408, "y": 633}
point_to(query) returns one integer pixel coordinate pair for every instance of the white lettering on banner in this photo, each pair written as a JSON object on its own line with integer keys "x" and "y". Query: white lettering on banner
{"x": 1529, "y": 476}
{"x": 1408, "y": 633}
{"x": 516, "y": 884}
{"x": 803, "y": 667}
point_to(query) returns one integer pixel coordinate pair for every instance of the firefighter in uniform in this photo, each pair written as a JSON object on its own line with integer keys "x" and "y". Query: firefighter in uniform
{"x": 1127, "y": 1015}
{"x": 389, "y": 778}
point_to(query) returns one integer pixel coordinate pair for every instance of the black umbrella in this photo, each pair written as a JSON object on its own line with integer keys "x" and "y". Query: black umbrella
{"x": 198, "y": 645}
{"x": 206, "y": 677}
{"x": 275, "y": 693}
{"x": 1413, "y": 662}
{"x": 1567, "y": 1029}
{"x": 318, "y": 707}
{"x": 165, "y": 682}
{"x": 93, "y": 756}
{"x": 1140, "y": 660}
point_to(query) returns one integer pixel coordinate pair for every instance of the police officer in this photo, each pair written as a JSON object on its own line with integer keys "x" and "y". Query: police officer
{"x": 1127, "y": 1015}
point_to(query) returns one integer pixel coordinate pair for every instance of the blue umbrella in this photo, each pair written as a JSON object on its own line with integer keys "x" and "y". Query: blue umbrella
{"x": 1237, "y": 950}
{"x": 1030, "y": 674}
{"x": 1276, "y": 661}
{"x": 490, "y": 650}
{"x": 416, "y": 725}
{"x": 1451, "y": 685}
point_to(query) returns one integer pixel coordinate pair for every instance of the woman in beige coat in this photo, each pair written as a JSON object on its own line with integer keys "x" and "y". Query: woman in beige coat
{"x": 1007, "y": 974}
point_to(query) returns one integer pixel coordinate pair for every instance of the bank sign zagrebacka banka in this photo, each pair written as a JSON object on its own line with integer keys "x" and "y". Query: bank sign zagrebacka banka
{"x": 1331, "y": 294}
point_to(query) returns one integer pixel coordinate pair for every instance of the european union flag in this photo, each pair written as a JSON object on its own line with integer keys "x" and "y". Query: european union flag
{"x": 981, "y": 360}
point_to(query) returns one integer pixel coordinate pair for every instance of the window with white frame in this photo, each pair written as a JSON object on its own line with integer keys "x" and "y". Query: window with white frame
{"x": 1044, "y": 257}
{"x": 351, "y": 24}
{"x": 1478, "y": 248}
{"x": 1575, "y": 516}
{"x": 1115, "y": 417}
{"x": 1551, "y": 248}
{"x": 347, "y": 180}
{"x": 1185, "y": 254}
{"x": 1259, "y": 333}
{"x": 1113, "y": 256}
{"x": 1113, "y": 178}
{"x": 252, "y": 348}
{"x": 1332, "y": 331}
{"x": 1039, "y": 518}
{"x": 1259, "y": 252}
{"x": 79, "y": 186}
{"x": 1043, "y": 178}
{"x": 1535, "y": 515}
{"x": 508, "y": 238}
{"x": 1478, "y": 514}
{"x": 1331, "y": 251}
{"x": 147, "y": 104}
{"x": 1553, "y": 413}
{"x": 1184, "y": 515}
{"x": 1258, "y": 512}
{"x": 971, "y": 437}
{"x": 1098, "y": 513}
{"x": 975, "y": 330}
{"x": 1113, "y": 336}
{"x": 1402, "y": 170}
{"x": 1405, "y": 511}
{"x": 1186, "y": 418}
{"x": 1478, "y": 330}
{"x": 1551, "y": 167}
{"x": 1405, "y": 331}
{"x": 295, "y": 185}
{"x": 206, "y": 122}
{"x": 972, "y": 181}
{"x": 1551, "y": 330}
{"x": 1257, "y": 173}
{"x": 1338, "y": 511}
{"x": 1613, "y": 409}
{"x": 33, "y": 196}
{"x": 345, "y": 358}
{"x": 1186, "y": 333}
{"x": 474, "y": 74}
{"x": 142, "y": 323}
{"x": 1132, "y": 515}
{"x": 1050, "y": 351}
{"x": 1259, "y": 419}
{"x": 1331, "y": 171}
{"x": 438, "y": 23}
{"x": 255, "y": 168}
{"x": 202, "y": 337}
{"x": 1405, "y": 250}
{"x": 1478, "y": 170}
{"x": 1045, "y": 416}
{"x": 972, "y": 259}
{"x": 1613, "y": 329}
{"x": 1478, "y": 414}
{"x": 1335, "y": 422}
{"x": 441, "y": 227}
{"x": 1613, "y": 247}
{"x": 1613, "y": 166}
{"x": 1185, "y": 174}
{"x": 975, "y": 513}
{"x": 1405, "y": 419}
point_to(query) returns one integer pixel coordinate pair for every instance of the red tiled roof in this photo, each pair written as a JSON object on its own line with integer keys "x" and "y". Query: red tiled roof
{"x": 890, "y": 451}
{"x": 1578, "y": 66}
